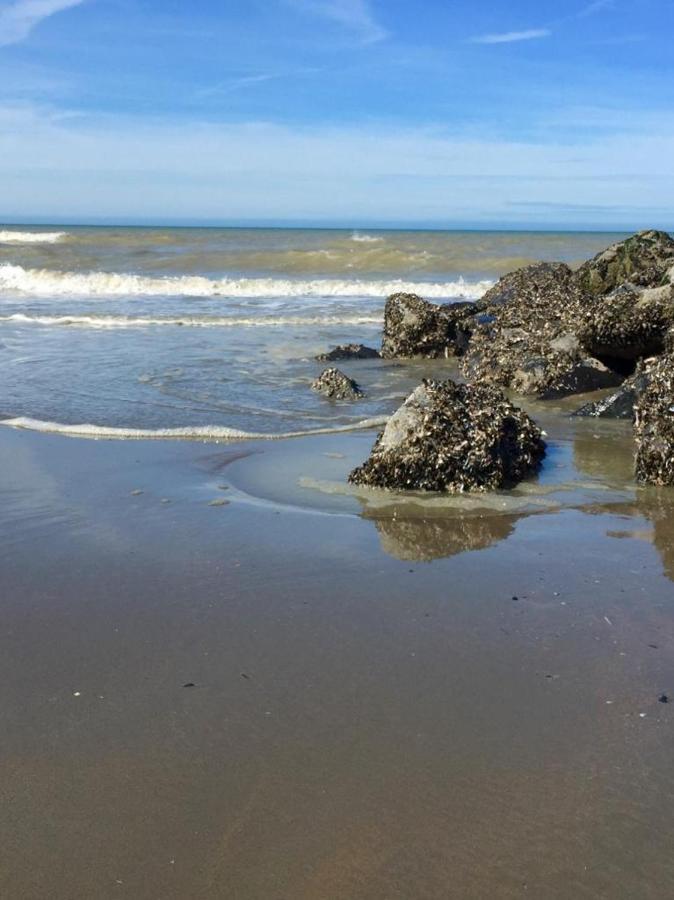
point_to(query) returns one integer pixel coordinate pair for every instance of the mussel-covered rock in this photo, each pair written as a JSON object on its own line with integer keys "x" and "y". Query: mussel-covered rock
{"x": 620, "y": 404}
{"x": 415, "y": 327}
{"x": 629, "y": 323}
{"x": 349, "y": 351}
{"x": 526, "y": 338}
{"x": 654, "y": 425}
{"x": 642, "y": 260}
{"x": 335, "y": 385}
{"x": 453, "y": 437}
{"x": 582, "y": 377}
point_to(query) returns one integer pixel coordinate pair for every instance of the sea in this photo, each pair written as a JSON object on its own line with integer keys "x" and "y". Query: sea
{"x": 212, "y": 333}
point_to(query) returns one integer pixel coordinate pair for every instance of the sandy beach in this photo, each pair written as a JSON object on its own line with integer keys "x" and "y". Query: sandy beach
{"x": 213, "y": 691}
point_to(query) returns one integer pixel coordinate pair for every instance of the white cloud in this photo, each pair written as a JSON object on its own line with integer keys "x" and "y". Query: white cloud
{"x": 118, "y": 168}
{"x": 18, "y": 19}
{"x": 356, "y": 15}
{"x": 510, "y": 37}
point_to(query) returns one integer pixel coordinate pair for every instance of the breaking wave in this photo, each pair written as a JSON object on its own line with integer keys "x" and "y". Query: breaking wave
{"x": 191, "y": 433}
{"x": 84, "y": 321}
{"x": 365, "y": 238}
{"x": 32, "y": 237}
{"x": 42, "y": 282}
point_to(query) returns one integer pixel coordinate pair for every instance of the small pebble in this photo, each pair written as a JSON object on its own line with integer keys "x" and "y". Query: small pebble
{"x": 663, "y": 698}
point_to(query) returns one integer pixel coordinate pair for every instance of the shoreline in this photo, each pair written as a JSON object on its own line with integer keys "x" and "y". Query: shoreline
{"x": 360, "y": 724}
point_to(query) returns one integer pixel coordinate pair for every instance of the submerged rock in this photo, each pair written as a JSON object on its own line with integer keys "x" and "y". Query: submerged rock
{"x": 335, "y": 385}
{"x": 349, "y": 351}
{"x": 455, "y": 438}
{"x": 415, "y": 327}
{"x": 642, "y": 260}
{"x": 620, "y": 404}
{"x": 654, "y": 425}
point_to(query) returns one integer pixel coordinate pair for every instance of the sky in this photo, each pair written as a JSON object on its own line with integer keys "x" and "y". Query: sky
{"x": 441, "y": 113}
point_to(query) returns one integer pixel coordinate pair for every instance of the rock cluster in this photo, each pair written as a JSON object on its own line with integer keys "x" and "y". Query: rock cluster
{"x": 543, "y": 331}
{"x": 335, "y": 385}
{"x": 654, "y": 425}
{"x": 349, "y": 351}
{"x": 453, "y": 437}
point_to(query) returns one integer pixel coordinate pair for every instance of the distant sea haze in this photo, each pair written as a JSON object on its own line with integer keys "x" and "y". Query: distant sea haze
{"x": 213, "y": 332}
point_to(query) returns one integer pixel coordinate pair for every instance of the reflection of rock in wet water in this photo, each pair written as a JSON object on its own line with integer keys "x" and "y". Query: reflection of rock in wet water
{"x": 425, "y": 539}
{"x": 654, "y": 506}
{"x": 608, "y": 457}
{"x": 658, "y": 507}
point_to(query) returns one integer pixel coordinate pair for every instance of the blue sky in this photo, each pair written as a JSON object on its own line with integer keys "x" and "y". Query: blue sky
{"x": 338, "y": 111}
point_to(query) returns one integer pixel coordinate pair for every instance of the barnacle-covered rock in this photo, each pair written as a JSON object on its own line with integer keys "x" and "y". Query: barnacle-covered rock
{"x": 349, "y": 351}
{"x": 453, "y": 437}
{"x": 335, "y": 385}
{"x": 654, "y": 425}
{"x": 526, "y": 339}
{"x": 629, "y": 323}
{"x": 415, "y": 327}
{"x": 643, "y": 260}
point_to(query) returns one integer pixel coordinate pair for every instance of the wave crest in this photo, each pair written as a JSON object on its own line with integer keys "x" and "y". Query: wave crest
{"x": 40, "y": 282}
{"x": 191, "y": 433}
{"x": 85, "y": 321}
{"x": 32, "y": 237}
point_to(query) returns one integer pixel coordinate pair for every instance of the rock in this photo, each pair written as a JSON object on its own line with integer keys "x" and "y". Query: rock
{"x": 582, "y": 377}
{"x": 349, "y": 351}
{"x": 654, "y": 425}
{"x": 453, "y": 437}
{"x": 415, "y": 327}
{"x": 526, "y": 338}
{"x": 642, "y": 260}
{"x": 628, "y": 324}
{"x": 335, "y": 385}
{"x": 619, "y": 404}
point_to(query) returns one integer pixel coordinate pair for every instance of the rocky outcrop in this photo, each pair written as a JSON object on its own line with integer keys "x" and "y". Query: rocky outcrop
{"x": 526, "y": 339}
{"x": 335, "y": 385}
{"x": 620, "y": 404}
{"x": 628, "y": 324}
{"x": 349, "y": 351}
{"x": 642, "y": 260}
{"x": 454, "y": 438}
{"x": 654, "y": 425}
{"x": 415, "y": 327}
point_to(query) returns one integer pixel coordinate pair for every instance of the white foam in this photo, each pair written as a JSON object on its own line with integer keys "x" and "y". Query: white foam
{"x": 32, "y": 237}
{"x": 83, "y": 321}
{"x": 365, "y": 238}
{"x": 44, "y": 282}
{"x": 192, "y": 433}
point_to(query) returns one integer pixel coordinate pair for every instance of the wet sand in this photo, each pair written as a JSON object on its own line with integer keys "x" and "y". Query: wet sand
{"x": 387, "y": 698}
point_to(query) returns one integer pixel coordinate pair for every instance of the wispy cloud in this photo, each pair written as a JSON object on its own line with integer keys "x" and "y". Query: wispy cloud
{"x": 511, "y": 37}
{"x": 595, "y": 7}
{"x": 356, "y": 15}
{"x": 242, "y": 82}
{"x": 18, "y": 19}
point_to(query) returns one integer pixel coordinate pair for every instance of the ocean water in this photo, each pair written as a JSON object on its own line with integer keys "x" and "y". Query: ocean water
{"x": 205, "y": 332}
